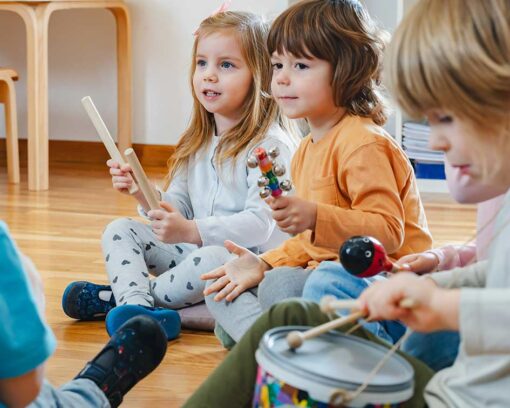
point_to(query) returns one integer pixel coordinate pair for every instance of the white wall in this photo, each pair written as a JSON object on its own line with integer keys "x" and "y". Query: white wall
{"x": 82, "y": 62}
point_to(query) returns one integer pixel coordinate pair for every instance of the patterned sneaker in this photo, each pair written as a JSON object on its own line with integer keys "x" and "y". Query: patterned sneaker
{"x": 81, "y": 301}
{"x": 168, "y": 319}
{"x": 132, "y": 353}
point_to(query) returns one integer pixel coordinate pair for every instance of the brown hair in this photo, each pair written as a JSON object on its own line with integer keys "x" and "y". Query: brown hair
{"x": 455, "y": 55}
{"x": 260, "y": 110}
{"x": 342, "y": 33}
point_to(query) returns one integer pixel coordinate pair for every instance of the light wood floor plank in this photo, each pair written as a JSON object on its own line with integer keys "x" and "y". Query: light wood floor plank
{"x": 60, "y": 230}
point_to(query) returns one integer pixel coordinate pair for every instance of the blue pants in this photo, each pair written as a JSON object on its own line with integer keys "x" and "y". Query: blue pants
{"x": 330, "y": 278}
{"x": 76, "y": 393}
{"x": 438, "y": 350}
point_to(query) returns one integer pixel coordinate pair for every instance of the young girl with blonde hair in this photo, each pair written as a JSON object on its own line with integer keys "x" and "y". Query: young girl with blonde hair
{"x": 211, "y": 195}
{"x": 449, "y": 61}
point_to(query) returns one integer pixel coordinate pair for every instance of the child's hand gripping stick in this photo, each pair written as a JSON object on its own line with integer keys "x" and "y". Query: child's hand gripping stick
{"x": 295, "y": 339}
{"x": 141, "y": 178}
{"x": 270, "y": 172}
{"x": 104, "y": 134}
{"x": 364, "y": 256}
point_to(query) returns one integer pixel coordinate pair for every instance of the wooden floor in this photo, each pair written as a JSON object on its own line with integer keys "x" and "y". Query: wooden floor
{"x": 60, "y": 230}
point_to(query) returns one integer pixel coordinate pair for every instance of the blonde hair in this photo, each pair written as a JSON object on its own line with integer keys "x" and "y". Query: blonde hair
{"x": 260, "y": 110}
{"x": 455, "y": 55}
{"x": 342, "y": 33}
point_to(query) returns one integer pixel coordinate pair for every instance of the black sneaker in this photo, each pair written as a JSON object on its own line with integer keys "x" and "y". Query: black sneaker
{"x": 133, "y": 352}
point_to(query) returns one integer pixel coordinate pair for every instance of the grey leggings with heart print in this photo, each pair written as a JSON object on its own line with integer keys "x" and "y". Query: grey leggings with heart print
{"x": 132, "y": 253}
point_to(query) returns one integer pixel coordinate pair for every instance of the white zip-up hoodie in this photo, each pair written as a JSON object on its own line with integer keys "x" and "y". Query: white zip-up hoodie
{"x": 225, "y": 202}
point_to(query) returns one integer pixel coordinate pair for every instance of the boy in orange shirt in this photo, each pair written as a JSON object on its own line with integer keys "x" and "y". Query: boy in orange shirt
{"x": 350, "y": 176}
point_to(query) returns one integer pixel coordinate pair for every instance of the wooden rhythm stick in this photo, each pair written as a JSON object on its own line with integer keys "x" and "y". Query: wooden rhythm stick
{"x": 329, "y": 304}
{"x": 105, "y": 136}
{"x": 295, "y": 339}
{"x": 141, "y": 178}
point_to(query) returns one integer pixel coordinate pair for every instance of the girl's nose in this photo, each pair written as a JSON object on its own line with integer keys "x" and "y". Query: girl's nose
{"x": 282, "y": 78}
{"x": 438, "y": 141}
{"x": 210, "y": 76}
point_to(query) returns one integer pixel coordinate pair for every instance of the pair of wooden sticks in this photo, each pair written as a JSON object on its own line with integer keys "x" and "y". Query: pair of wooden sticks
{"x": 329, "y": 304}
{"x": 131, "y": 157}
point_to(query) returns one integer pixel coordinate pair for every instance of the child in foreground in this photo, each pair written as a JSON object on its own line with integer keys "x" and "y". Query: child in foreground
{"x": 26, "y": 342}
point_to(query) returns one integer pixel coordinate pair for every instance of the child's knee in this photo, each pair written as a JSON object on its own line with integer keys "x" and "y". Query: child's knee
{"x": 211, "y": 256}
{"x": 290, "y": 312}
{"x": 216, "y": 308}
{"x": 118, "y": 228}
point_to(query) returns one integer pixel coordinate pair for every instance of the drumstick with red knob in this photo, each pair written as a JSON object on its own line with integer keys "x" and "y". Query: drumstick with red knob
{"x": 364, "y": 256}
{"x": 295, "y": 339}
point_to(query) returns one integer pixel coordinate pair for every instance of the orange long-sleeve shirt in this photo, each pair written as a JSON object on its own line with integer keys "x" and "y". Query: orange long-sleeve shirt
{"x": 363, "y": 184}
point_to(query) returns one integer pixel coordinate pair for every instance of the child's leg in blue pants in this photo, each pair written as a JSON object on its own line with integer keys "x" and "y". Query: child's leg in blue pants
{"x": 330, "y": 278}
{"x": 438, "y": 350}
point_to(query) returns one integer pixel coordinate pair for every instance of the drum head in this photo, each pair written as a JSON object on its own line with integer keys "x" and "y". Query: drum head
{"x": 334, "y": 360}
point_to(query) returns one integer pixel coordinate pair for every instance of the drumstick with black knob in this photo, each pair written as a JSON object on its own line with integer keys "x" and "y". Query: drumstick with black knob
{"x": 295, "y": 339}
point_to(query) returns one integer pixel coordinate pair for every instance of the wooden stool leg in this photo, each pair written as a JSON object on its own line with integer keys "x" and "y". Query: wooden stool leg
{"x": 37, "y": 97}
{"x": 124, "y": 75}
{"x": 8, "y": 97}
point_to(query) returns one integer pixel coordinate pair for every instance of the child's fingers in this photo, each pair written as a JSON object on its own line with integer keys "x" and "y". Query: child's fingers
{"x": 279, "y": 215}
{"x": 167, "y": 206}
{"x": 112, "y": 164}
{"x": 121, "y": 186}
{"x": 217, "y": 286}
{"x": 225, "y": 292}
{"x": 214, "y": 274}
{"x": 235, "y": 293}
{"x": 233, "y": 248}
{"x": 405, "y": 267}
{"x": 121, "y": 179}
{"x": 286, "y": 223}
{"x": 157, "y": 214}
{"x": 279, "y": 202}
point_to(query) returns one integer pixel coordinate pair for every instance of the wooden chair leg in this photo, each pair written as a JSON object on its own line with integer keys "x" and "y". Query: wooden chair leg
{"x": 8, "y": 97}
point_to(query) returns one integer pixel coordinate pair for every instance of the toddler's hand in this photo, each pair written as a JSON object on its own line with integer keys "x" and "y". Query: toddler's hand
{"x": 424, "y": 262}
{"x": 240, "y": 274}
{"x": 435, "y": 308}
{"x": 171, "y": 227}
{"x": 292, "y": 214}
{"x": 121, "y": 176}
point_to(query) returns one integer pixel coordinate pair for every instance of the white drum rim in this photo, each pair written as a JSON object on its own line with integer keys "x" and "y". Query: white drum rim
{"x": 327, "y": 381}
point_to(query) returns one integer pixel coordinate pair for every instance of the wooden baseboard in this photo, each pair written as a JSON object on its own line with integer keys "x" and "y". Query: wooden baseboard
{"x": 65, "y": 151}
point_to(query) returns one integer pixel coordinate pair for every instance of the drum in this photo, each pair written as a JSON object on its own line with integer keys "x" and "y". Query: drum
{"x": 326, "y": 367}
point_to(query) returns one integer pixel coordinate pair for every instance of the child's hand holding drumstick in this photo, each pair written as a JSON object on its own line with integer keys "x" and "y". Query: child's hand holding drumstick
{"x": 435, "y": 308}
{"x": 418, "y": 302}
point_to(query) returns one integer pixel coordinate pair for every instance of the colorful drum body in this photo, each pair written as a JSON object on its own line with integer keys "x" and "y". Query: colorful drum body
{"x": 310, "y": 375}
